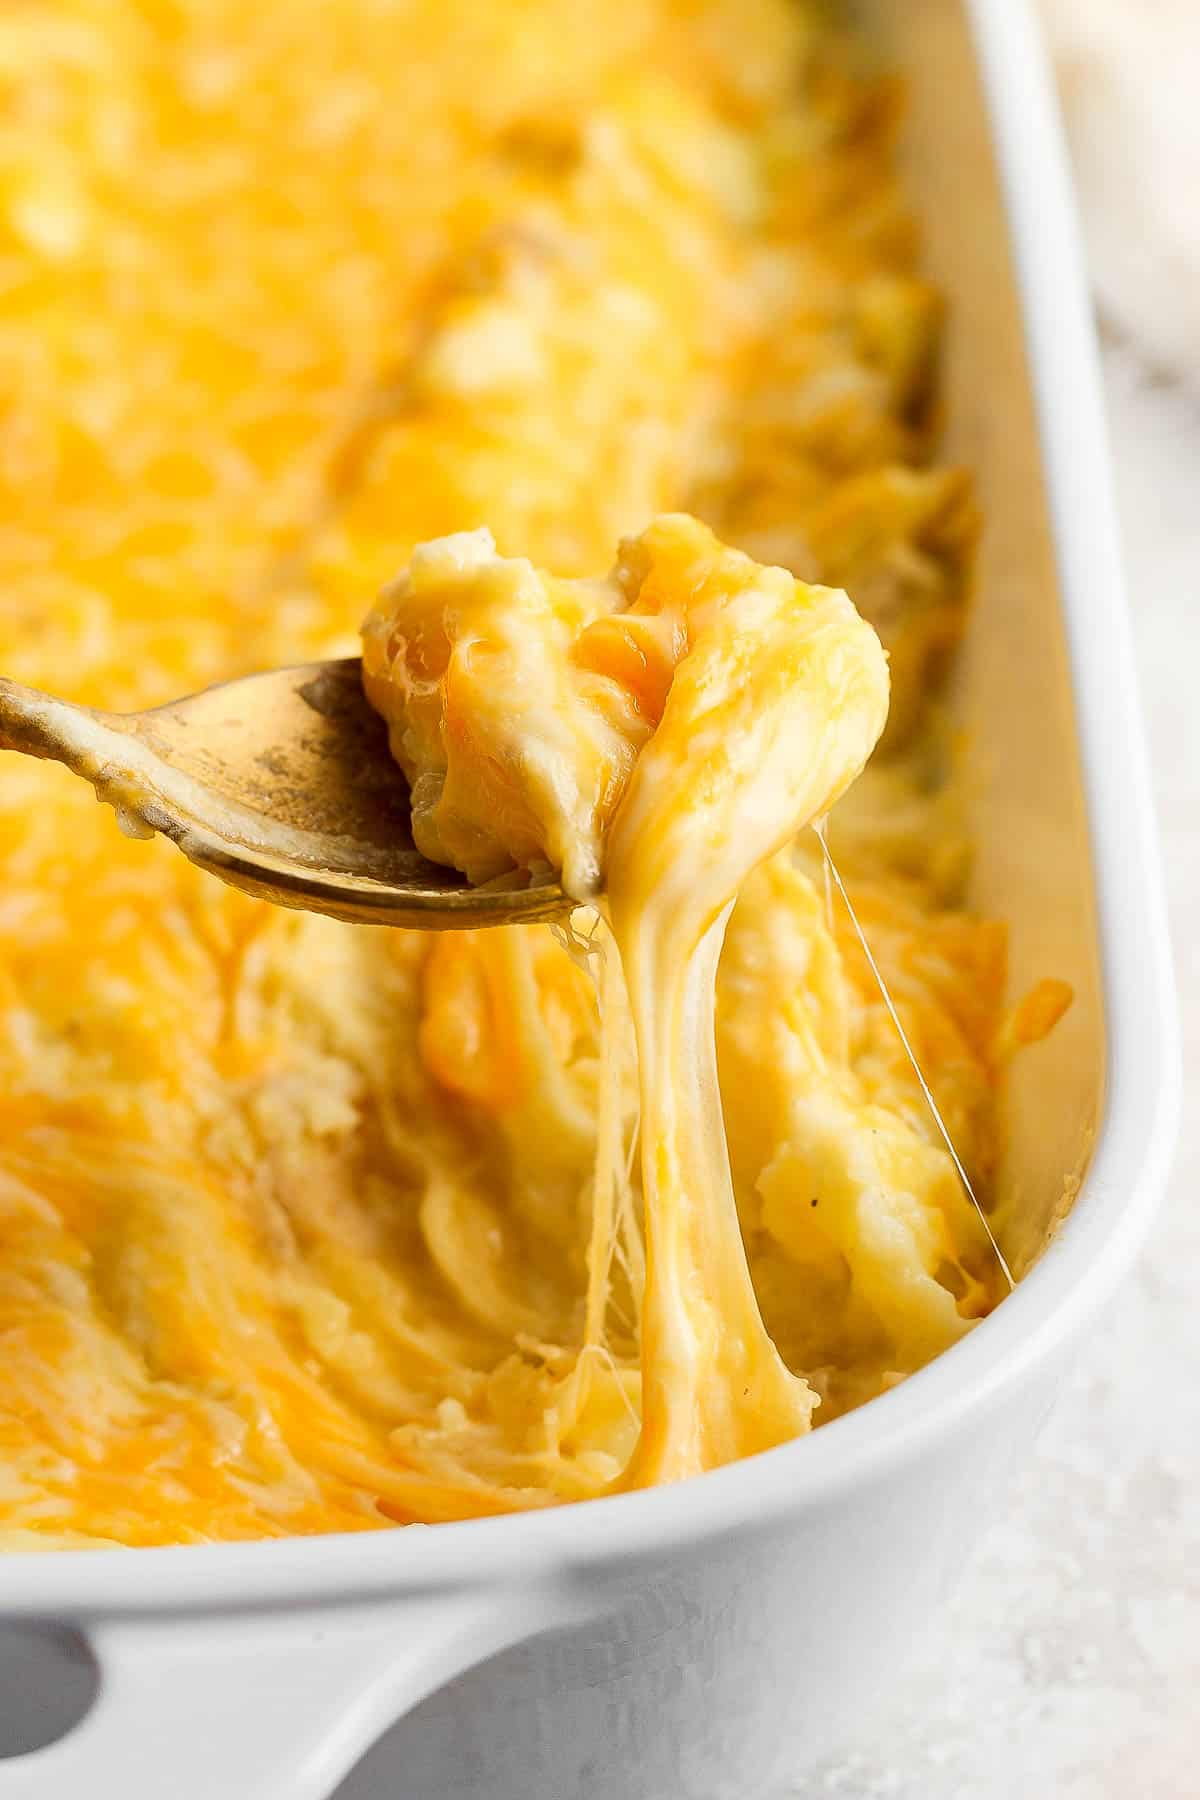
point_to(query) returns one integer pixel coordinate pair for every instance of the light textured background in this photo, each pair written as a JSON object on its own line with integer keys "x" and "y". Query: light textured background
{"x": 1068, "y": 1667}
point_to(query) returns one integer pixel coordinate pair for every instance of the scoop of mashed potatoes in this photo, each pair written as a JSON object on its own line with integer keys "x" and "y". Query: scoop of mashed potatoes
{"x": 518, "y": 703}
{"x": 654, "y": 737}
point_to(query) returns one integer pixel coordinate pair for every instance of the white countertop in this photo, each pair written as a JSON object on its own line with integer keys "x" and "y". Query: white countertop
{"x": 1068, "y": 1665}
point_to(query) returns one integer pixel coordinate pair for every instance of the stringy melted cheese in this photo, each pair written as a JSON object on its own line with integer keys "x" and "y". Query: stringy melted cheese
{"x": 654, "y": 737}
{"x": 306, "y": 1227}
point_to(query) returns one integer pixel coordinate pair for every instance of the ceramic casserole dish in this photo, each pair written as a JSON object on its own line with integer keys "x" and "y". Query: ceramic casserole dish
{"x": 697, "y": 1642}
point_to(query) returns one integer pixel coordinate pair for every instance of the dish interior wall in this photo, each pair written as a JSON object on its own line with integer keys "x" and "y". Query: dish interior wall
{"x": 1032, "y": 863}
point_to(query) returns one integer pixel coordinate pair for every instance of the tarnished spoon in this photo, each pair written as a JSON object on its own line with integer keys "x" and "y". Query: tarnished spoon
{"x": 280, "y": 783}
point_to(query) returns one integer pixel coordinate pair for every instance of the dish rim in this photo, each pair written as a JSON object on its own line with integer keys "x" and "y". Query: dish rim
{"x": 1094, "y": 1245}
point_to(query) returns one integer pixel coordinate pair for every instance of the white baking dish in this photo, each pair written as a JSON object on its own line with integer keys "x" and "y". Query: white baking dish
{"x": 693, "y": 1641}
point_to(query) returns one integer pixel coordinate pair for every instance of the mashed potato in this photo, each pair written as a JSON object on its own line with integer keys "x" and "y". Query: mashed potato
{"x": 655, "y": 737}
{"x": 307, "y": 1227}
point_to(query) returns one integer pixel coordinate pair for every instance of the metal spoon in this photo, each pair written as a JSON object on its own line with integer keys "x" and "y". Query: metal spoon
{"x": 281, "y": 784}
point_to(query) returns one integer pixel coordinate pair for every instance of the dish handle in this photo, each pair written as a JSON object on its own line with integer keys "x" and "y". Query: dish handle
{"x": 266, "y": 1706}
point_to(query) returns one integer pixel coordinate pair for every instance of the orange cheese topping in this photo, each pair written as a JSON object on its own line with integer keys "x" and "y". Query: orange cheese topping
{"x": 307, "y": 1227}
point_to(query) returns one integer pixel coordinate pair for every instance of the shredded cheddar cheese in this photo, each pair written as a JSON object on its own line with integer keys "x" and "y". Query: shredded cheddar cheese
{"x": 308, "y": 1227}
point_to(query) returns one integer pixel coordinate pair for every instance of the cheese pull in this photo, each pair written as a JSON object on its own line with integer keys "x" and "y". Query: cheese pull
{"x": 654, "y": 737}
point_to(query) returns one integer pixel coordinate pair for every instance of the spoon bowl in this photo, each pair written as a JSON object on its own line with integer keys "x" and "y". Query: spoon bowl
{"x": 283, "y": 785}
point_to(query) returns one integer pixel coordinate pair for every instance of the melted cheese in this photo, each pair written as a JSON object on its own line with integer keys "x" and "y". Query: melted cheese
{"x": 774, "y": 707}
{"x": 307, "y": 1227}
{"x": 654, "y": 738}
